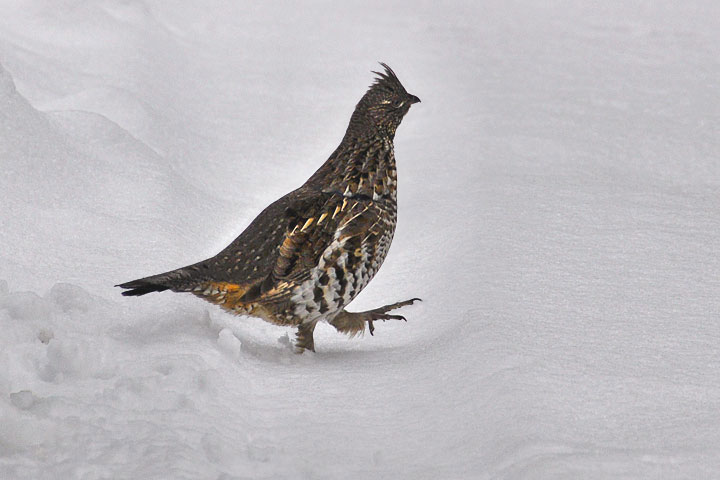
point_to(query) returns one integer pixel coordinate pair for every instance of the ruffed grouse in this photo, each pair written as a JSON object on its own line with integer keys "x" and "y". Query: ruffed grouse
{"x": 309, "y": 254}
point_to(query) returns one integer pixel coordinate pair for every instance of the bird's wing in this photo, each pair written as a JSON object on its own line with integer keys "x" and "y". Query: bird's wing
{"x": 248, "y": 259}
{"x": 276, "y": 252}
{"x": 321, "y": 225}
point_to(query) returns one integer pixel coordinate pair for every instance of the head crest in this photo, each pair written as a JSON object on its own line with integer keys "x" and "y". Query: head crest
{"x": 387, "y": 80}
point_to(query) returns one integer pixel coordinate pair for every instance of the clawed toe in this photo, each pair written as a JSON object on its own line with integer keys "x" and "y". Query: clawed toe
{"x": 353, "y": 323}
{"x": 383, "y": 317}
{"x": 394, "y": 306}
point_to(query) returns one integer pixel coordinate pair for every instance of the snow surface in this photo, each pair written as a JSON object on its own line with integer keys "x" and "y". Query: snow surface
{"x": 559, "y": 215}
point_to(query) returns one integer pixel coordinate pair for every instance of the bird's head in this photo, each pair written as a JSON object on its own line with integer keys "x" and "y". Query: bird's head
{"x": 385, "y": 103}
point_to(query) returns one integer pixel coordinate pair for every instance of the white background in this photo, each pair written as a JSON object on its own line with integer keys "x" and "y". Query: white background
{"x": 559, "y": 214}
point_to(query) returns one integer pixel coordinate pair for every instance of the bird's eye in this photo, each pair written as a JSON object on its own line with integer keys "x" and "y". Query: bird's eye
{"x": 397, "y": 103}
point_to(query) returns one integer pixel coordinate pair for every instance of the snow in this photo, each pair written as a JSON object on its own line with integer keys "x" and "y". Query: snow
{"x": 558, "y": 215}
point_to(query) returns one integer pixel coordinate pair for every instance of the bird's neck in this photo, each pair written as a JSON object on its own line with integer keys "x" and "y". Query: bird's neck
{"x": 362, "y": 166}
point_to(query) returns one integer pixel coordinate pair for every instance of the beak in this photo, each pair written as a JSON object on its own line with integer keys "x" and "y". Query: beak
{"x": 413, "y": 99}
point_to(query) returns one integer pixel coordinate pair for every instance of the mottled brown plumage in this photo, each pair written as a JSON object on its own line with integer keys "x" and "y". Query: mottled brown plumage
{"x": 309, "y": 254}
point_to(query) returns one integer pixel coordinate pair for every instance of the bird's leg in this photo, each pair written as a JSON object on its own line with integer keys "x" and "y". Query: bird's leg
{"x": 304, "y": 340}
{"x": 353, "y": 323}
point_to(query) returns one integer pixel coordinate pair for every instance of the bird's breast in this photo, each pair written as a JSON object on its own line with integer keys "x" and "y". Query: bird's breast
{"x": 359, "y": 246}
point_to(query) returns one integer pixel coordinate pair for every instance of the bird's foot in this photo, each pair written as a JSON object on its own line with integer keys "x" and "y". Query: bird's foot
{"x": 354, "y": 322}
{"x": 304, "y": 337}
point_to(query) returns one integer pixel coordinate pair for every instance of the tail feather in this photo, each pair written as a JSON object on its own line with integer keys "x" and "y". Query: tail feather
{"x": 140, "y": 287}
{"x": 180, "y": 280}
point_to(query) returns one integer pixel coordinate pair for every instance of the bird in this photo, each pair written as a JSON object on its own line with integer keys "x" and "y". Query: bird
{"x": 306, "y": 256}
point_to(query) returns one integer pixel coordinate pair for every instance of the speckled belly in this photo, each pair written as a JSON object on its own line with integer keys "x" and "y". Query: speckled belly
{"x": 345, "y": 267}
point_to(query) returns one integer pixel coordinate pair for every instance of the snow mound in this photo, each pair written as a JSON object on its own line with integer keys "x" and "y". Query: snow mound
{"x": 7, "y": 86}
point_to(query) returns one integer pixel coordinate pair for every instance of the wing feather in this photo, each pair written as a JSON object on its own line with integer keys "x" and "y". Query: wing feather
{"x": 328, "y": 223}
